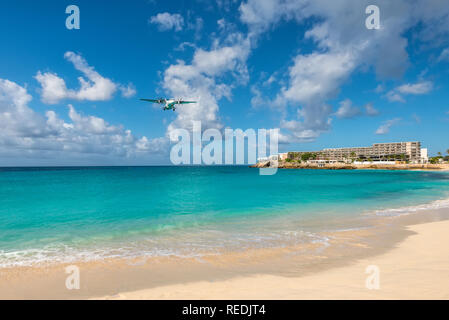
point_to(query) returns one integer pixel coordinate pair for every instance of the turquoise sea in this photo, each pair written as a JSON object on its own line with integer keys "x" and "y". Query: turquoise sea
{"x": 69, "y": 214}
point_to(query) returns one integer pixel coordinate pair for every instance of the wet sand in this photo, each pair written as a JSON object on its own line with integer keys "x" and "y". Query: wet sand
{"x": 418, "y": 268}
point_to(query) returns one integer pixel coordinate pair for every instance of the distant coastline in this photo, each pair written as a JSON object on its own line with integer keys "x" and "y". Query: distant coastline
{"x": 351, "y": 166}
{"x": 408, "y": 155}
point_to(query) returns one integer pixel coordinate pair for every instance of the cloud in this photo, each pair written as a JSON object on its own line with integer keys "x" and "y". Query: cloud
{"x": 261, "y": 15}
{"x": 380, "y": 88}
{"x": 167, "y": 21}
{"x": 416, "y": 88}
{"x": 393, "y": 96}
{"x": 29, "y": 133}
{"x": 371, "y": 111}
{"x": 334, "y": 27}
{"x": 257, "y": 99}
{"x": 201, "y": 80}
{"x": 218, "y": 60}
{"x": 347, "y": 110}
{"x": 419, "y": 88}
{"x": 386, "y": 126}
{"x": 197, "y": 27}
{"x": 18, "y": 121}
{"x": 128, "y": 91}
{"x": 93, "y": 87}
{"x": 313, "y": 79}
{"x": 444, "y": 56}
{"x": 342, "y": 48}
{"x": 317, "y": 74}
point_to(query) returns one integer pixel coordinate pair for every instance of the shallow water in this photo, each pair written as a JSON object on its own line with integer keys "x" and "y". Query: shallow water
{"x": 70, "y": 214}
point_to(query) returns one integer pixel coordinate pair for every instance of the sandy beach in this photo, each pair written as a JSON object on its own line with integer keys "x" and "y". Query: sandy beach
{"x": 418, "y": 268}
{"x": 402, "y": 257}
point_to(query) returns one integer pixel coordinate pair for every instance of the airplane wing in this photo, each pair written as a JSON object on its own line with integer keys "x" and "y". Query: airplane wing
{"x": 151, "y": 100}
{"x": 185, "y": 102}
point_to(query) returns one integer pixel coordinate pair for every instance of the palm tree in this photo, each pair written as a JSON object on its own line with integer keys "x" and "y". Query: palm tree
{"x": 447, "y": 151}
{"x": 353, "y": 155}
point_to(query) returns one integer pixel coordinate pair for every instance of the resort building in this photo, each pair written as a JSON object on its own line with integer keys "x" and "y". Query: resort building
{"x": 283, "y": 156}
{"x": 273, "y": 157}
{"x": 424, "y": 155}
{"x": 395, "y": 151}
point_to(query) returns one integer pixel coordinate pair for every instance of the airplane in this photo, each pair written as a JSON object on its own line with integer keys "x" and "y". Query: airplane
{"x": 169, "y": 104}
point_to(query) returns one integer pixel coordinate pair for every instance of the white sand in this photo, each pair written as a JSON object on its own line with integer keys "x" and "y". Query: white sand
{"x": 418, "y": 268}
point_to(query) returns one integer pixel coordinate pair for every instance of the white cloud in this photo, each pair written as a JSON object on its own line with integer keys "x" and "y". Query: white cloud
{"x": 386, "y": 126}
{"x": 54, "y": 88}
{"x": 393, "y": 96}
{"x": 342, "y": 48}
{"x": 419, "y": 88}
{"x": 347, "y": 110}
{"x": 444, "y": 56}
{"x": 17, "y": 120}
{"x": 218, "y": 60}
{"x": 370, "y": 110}
{"x": 313, "y": 79}
{"x": 317, "y": 74}
{"x": 380, "y": 88}
{"x": 200, "y": 81}
{"x": 257, "y": 100}
{"x": 93, "y": 87}
{"x": 128, "y": 91}
{"x": 32, "y": 134}
{"x": 260, "y": 15}
{"x": 270, "y": 80}
{"x": 416, "y": 88}
{"x": 167, "y": 21}
{"x": 197, "y": 27}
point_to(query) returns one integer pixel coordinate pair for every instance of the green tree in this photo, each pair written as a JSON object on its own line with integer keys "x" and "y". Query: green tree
{"x": 306, "y": 156}
{"x": 434, "y": 160}
{"x": 353, "y": 156}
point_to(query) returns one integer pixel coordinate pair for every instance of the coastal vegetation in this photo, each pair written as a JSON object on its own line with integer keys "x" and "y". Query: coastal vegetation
{"x": 307, "y": 156}
{"x": 291, "y": 164}
{"x": 440, "y": 158}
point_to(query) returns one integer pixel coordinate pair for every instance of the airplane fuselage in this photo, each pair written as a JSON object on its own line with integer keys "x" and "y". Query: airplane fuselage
{"x": 170, "y": 104}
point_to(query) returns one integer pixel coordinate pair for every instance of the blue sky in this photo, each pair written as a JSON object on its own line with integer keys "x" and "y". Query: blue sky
{"x": 310, "y": 68}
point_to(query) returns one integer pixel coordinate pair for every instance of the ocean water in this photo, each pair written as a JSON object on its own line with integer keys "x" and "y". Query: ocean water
{"x": 69, "y": 214}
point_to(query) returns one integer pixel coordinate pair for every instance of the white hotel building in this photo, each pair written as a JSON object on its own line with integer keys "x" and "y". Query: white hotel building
{"x": 395, "y": 151}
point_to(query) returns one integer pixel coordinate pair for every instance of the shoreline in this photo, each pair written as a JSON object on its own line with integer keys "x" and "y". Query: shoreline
{"x": 162, "y": 278}
{"x": 417, "y": 268}
{"x": 351, "y": 166}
